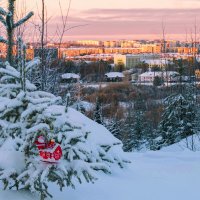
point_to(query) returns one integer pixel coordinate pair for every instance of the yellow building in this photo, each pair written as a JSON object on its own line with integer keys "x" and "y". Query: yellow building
{"x": 129, "y": 60}
{"x": 89, "y": 42}
{"x": 187, "y": 50}
{"x": 151, "y": 48}
{"x": 29, "y": 54}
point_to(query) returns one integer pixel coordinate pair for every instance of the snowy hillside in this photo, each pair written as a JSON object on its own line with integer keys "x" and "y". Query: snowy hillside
{"x": 161, "y": 175}
{"x": 151, "y": 176}
{"x": 190, "y": 143}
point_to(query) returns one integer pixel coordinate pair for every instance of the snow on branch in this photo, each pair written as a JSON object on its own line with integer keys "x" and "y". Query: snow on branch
{"x": 33, "y": 63}
{"x": 2, "y": 20}
{"x": 23, "y": 20}
{"x": 3, "y": 12}
{"x": 2, "y": 40}
{"x": 12, "y": 73}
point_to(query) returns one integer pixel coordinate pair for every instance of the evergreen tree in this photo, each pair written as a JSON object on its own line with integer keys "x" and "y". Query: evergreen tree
{"x": 25, "y": 114}
{"x": 98, "y": 112}
{"x": 115, "y": 126}
{"x": 179, "y": 118}
{"x": 134, "y": 131}
{"x": 157, "y": 81}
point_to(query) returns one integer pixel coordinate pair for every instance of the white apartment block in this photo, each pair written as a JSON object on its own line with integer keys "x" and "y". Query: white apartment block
{"x": 170, "y": 76}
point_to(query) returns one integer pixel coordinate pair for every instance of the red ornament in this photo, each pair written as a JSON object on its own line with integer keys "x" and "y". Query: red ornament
{"x": 48, "y": 151}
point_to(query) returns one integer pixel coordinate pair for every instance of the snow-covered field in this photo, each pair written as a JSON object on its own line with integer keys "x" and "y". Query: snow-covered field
{"x": 151, "y": 176}
{"x": 170, "y": 174}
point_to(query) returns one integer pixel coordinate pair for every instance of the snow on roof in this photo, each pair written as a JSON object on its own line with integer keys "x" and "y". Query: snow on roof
{"x": 88, "y": 61}
{"x": 70, "y": 75}
{"x": 115, "y": 75}
{"x": 156, "y": 61}
{"x": 153, "y": 74}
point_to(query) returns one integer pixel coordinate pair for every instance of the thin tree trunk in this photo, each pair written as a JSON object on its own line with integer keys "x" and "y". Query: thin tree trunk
{"x": 42, "y": 47}
{"x": 10, "y": 30}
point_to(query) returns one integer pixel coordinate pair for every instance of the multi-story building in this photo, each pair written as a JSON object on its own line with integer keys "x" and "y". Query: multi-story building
{"x": 106, "y": 43}
{"x": 187, "y": 50}
{"x": 151, "y": 48}
{"x": 29, "y": 53}
{"x": 3, "y": 50}
{"x": 89, "y": 42}
{"x": 81, "y": 51}
{"x": 129, "y": 60}
{"x": 162, "y": 63}
{"x": 170, "y": 76}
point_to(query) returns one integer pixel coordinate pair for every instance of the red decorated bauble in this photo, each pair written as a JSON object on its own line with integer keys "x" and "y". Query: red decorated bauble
{"x": 49, "y": 151}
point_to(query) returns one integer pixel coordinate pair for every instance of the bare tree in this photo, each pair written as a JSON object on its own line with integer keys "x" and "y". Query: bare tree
{"x": 42, "y": 46}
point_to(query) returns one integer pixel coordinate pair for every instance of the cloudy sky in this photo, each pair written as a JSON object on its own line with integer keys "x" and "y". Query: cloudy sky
{"x": 122, "y": 19}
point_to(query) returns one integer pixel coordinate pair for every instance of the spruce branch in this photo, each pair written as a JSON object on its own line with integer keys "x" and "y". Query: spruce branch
{"x": 2, "y": 20}
{"x": 2, "y": 40}
{"x": 3, "y": 12}
{"x": 23, "y": 20}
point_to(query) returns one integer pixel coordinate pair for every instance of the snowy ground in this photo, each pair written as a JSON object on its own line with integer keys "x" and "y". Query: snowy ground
{"x": 151, "y": 176}
{"x": 170, "y": 174}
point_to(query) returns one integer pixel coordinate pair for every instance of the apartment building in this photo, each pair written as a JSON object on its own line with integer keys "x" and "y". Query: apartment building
{"x": 89, "y": 42}
{"x": 151, "y": 48}
{"x": 187, "y": 50}
{"x": 170, "y": 76}
{"x": 129, "y": 60}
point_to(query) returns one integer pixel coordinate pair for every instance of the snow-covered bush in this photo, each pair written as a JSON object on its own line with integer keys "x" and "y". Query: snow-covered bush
{"x": 26, "y": 113}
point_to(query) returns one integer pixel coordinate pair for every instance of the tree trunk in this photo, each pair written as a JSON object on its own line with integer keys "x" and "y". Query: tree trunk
{"x": 43, "y": 82}
{"x": 10, "y": 29}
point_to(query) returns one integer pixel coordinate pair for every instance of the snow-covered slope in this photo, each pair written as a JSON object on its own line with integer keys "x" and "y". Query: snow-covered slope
{"x": 99, "y": 134}
{"x": 151, "y": 176}
{"x": 170, "y": 174}
{"x": 190, "y": 143}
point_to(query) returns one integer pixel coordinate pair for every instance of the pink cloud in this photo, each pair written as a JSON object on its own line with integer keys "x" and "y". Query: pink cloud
{"x": 115, "y": 23}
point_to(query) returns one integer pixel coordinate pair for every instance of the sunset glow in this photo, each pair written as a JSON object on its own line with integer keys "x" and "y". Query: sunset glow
{"x": 111, "y": 19}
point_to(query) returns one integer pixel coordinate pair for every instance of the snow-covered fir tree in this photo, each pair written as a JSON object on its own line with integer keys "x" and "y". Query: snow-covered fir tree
{"x": 98, "y": 111}
{"x": 179, "y": 119}
{"x": 26, "y": 113}
{"x": 115, "y": 127}
{"x": 134, "y": 131}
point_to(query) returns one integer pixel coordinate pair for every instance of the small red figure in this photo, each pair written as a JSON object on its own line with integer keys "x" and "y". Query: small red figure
{"x": 48, "y": 151}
